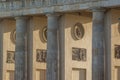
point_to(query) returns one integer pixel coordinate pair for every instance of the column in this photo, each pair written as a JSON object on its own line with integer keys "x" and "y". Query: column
{"x": 98, "y": 44}
{"x": 52, "y": 47}
{"x": 21, "y": 25}
{"x": 108, "y": 57}
{"x": 30, "y": 60}
{"x": 2, "y": 59}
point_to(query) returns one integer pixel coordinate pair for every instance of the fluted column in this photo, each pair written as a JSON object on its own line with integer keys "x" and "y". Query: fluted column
{"x": 2, "y": 62}
{"x": 52, "y": 47}
{"x": 98, "y": 45}
{"x": 21, "y": 25}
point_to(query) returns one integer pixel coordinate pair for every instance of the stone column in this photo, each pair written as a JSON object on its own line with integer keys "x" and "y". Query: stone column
{"x": 21, "y": 25}
{"x": 2, "y": 59}
{"x": 52, "y": 47}
{"x": 108, "y": 56}
{"x": 98, "y": 48}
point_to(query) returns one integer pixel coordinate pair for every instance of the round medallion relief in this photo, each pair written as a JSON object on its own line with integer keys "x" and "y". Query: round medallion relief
{"x": 77, "y": 31}
{"x": 119, "y": 27}
{"x": 43, "y": 34}
{"x": 13, "y": 36}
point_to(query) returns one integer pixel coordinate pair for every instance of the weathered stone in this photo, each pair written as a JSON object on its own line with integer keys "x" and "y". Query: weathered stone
{"x": 98, "y": 49}
{"x": 21, "y": 25}
{"x": 52, "y": 47}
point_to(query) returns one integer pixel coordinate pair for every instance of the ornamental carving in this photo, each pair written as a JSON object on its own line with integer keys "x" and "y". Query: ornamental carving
{"x": 41, "y": 55}
{"x": 77, "y": 31}
{"x": 10, "y": 57}
{"x": 119, "y": 27}
{"x": 13, "y": 36}
{"x": 79, "y": 54}
{"x": 43, "y": 34}
{"x": 117, "y": 51}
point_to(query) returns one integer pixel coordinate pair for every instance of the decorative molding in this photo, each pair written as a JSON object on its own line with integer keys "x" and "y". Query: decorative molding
{"x": 79, "y": 54}
{"x": 43, "y": 34}
{"x": 117, "y": 51}
{"x": 41, "y": 55}
{"x": 13, "y": 36}
{"x": 10, "y": 57}
{"x": 77, "y": 31}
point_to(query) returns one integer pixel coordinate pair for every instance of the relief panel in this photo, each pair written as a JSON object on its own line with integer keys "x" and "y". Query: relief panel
{"x": 41, "y": 55}
{"x": 10, "y": 57}
{"x": 79, "y": 54}
{"x": 117, "y": 52}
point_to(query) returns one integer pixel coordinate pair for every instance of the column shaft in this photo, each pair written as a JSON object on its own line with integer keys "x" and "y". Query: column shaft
{"x": 20, "y": 48}
{"x": 52, "y": 47}
{"x": 98, "y": 45}
{"x": 2, "y": 62}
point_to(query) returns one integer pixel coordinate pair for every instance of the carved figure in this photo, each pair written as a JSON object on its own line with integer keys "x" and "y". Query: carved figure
{"x": 117, "y": 51}
{"x": 77, "y": 31}
{"x": 41, "y": 55}
{"x": 79, "y": 54}
{"x": 10, "y": 57}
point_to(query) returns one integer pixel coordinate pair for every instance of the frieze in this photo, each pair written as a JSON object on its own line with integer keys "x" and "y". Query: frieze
{"x": 117, "y": 51}
{"x": 41, "y": 55}
{"x": 79, "y": 54}
{"x": 10, "y": 57}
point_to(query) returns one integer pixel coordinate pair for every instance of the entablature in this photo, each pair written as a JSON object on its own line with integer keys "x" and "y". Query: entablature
{"x": 10, "y": 8}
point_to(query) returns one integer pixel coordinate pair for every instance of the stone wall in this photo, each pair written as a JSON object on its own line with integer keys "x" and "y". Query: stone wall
{"x": 8, "y": 46}
{"x": 37, "y": 23}
{"x": 70, "y": 68}
{"x": 74, "y": 67}
{"x": 115, "y": 42}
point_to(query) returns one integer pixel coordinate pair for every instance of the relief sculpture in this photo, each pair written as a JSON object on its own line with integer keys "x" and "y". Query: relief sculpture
{"x": 41, "y": 55}
{"x": 79, "y": 54}
{"x": 10, "y": 57}
{"x": 43, "y": 34}
{"x": 13, "y": 36}
{"x": 117, "y": 51}
{"x": 77, "y": 31}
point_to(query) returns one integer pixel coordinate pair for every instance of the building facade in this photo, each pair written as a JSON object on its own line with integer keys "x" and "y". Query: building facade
{"x": 59, "y": 40}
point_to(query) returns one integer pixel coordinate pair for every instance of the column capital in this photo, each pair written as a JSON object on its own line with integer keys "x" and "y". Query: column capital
{"x": 53, "y": 14}
{"x": 21, "y": 17}
{"x": 97, "y": 9}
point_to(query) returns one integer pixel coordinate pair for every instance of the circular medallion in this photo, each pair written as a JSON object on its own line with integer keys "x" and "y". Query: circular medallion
{"x": 43, "y": 34}
{"x": 13, "y": 36}
{"x": 77, "y": 31}
{"x": 119, "y": 27}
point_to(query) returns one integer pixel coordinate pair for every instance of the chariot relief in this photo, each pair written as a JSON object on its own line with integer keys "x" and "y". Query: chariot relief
{"x": 41, "y": 55}
{"x": 10, "y": 57}
{"x": 117, "y": 51}
{"x": 79, "y": 54}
